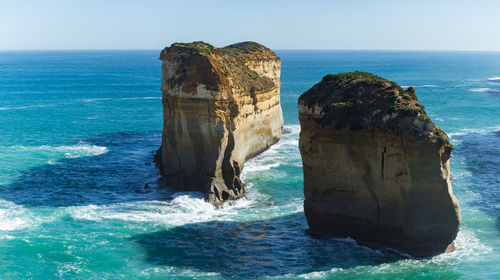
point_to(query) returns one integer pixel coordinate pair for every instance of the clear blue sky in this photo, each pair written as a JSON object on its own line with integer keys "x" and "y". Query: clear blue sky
{"x": 306, "y": 24}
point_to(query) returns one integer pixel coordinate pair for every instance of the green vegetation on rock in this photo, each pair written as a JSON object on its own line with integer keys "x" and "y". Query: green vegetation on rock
{"x": 235, "y": 59}
{"x": 372, "y": 90}
{"x": 198, "y": 46}
{"x": 360, "y": 100}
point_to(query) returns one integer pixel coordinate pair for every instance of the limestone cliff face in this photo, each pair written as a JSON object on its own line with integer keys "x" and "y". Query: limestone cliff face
{"x": 221, "y": 107}
{"x": 376, "y": 168}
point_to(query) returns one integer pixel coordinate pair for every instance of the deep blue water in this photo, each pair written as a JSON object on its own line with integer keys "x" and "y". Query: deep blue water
{"x": 78, "y": 130}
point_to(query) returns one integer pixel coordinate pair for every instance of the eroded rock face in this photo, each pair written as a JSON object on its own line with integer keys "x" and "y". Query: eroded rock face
{"x": 221, "y": 106}
{"x": 376, "y": 168}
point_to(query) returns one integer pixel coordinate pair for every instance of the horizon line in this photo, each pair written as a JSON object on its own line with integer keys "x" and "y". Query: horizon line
{"x": 277, "y": 49}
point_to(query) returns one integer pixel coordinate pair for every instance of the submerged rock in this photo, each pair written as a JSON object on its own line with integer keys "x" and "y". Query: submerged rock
{"x": 376, "y": 168}
{"x": 221, "y": 106}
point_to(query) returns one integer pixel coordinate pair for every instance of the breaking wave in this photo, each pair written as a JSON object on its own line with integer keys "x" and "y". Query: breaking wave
{"x": 23, "y": 107}
{"x": 82, "y": 149}
{"x": 479, "y": 89}
{"x": 13, "y": 217}
{"x": 94, "y": 99}
{"x": 466, "y": 131}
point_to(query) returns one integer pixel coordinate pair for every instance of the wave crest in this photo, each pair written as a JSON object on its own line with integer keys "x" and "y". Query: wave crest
{"x": 13, "y": 217}
{"x": 82, "y": 149}
{"x": 479, "y": 89}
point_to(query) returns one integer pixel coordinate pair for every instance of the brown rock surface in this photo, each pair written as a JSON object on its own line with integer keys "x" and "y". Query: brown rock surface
{"x": 221, "y": 106}
{"x": 376, "y": 168}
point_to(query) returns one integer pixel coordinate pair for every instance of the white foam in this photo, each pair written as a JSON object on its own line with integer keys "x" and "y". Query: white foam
{"x": 494, "y": 79}
{"x": 467, "y": 248}
{"x": 294, "y": 129}
{"x": 84, "y": 213}
{"x": 94, "y": 99}
{"x": 261, "y": 167}
{"x": 283, "y": 152}
{"x": 316, "y": 274}
{"x": 184, "y": 208}
{"x": 171, "y": 271}
{"x": 479, "y": 89}
{"x": 191, "y": 202}
{"x": 7, "y": 237}
{"x": 82, "y": 149}
{"x": 66, "y": 268}
{"x": 7, "y": 222}
{"x": 465, "y": 131}
{"x": 23, "y": 107}
{"x": 12, "y": 216}
{"x": 453, "y": 134}
{"x": 456, "y": 142}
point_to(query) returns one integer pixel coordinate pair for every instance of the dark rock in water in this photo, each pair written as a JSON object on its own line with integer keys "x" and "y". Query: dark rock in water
{"x": 286, "y": 130}
{"x": 221, "y": 106}
{"x": 376, "y": 168}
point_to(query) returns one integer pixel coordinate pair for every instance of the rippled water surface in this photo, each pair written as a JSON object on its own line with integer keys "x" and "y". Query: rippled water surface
{"x": 77, "y": 135}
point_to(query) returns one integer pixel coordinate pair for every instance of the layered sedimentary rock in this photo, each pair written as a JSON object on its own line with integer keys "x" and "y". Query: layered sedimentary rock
{"x": 376, "y": 168}
{"x": 221, "y": 106}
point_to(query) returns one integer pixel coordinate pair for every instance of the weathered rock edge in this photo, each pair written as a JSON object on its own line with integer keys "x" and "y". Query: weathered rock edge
{"x": 221, "y": 106}
{"x": 376, "y": 168}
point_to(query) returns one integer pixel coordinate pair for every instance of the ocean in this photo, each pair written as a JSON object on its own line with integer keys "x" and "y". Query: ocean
{"x": 78, "y": 130}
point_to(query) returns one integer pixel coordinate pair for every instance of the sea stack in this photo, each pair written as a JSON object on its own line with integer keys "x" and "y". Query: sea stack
{"x": 221, "y": 106}
{"x": 376, "y": 168}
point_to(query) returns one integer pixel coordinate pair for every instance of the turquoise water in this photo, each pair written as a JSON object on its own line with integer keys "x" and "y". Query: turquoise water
{"x": 77, "y": 135}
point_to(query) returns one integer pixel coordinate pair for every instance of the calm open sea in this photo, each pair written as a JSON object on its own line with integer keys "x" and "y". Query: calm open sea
{"x": 78, "y": 130}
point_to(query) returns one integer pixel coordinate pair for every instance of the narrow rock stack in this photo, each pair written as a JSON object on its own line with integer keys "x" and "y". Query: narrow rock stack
{"x": 221, "y": 106}
{"x": 376, "y": 168}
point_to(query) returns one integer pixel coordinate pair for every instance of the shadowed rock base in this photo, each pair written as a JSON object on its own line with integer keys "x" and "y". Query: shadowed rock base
{"x": 374, "y": 235}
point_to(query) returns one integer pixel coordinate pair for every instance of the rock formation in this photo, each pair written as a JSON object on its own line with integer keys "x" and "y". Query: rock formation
{"x": 221, "y": 106}
{"x": 376, "y": 168}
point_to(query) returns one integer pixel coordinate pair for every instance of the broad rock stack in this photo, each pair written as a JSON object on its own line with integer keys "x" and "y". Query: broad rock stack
{"x": 376, "y": 168}
{"x": 221, "y": 106}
